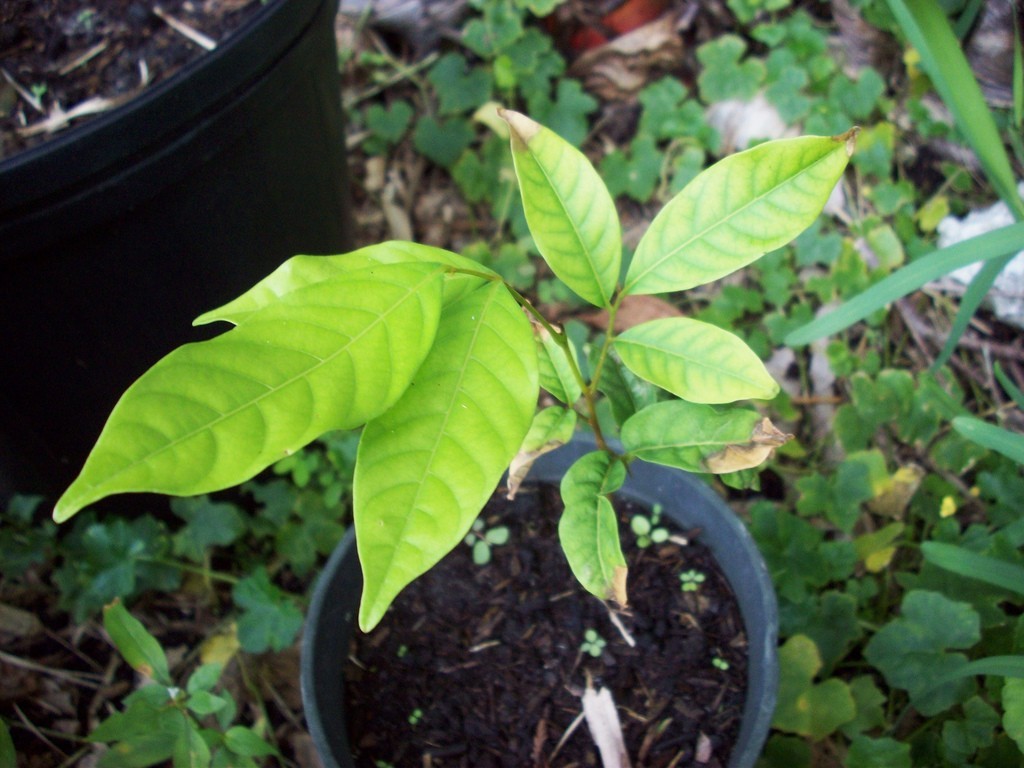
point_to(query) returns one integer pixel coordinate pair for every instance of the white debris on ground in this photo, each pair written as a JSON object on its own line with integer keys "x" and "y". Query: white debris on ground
{"x": 1006, "y": 296}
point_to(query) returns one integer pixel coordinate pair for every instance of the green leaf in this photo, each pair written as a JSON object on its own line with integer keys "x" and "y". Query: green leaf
{"x": 442, "y": 141}
{"x": 634, "y": 172}
{"x": 566, "y": 116}
{"x": 589, "y": 529}
{"x": 245, "y": 741}
{"x": 301, "y": 271}
{"x": 152, "y": 747}
{"x": 991, "y": 245}
{"x": 204, "y": 678}
{"x": 568, "y": 208}
{"x": 723, "y": 76}
{"x": 269, "y": 619}
{"x": 427, "y": 466}
{"x": 387, "y": 124}
{"x": 911, "y": 651}
{"x": 884, "y": 752}
{"x": 555, "y": 368}
{"x": 961, "y": 739}
{"x": 870, "y": 705}
{"x": 1009, "y": 444}
{"x": 626, "y": 392}
{"x": 799, "y": 558}
{"x": 737, "y": 210}
{"x": 459, "y": 87}
{"x": 594, "y": 474}
{"x": 209, "y": 524}
{"x": 117, "y": 558}
{"x": 1013, "y": 710}
{"x": 190, "y": 750}
{"x": 695, "y": 360}
{"x": 204, "y": 703}
{"x": 829, "y": 619}
{"x": 212, "y": 414}
{"x": 8, "y": 757}
{"x": 139, "y": 648}
{"x": 805, "y": 707}
{"x": 686, "y": 435}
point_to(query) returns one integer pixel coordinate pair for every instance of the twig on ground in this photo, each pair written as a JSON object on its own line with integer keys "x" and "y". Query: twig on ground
{"x": 27, "y": 95}
{"x": 86, "y": 57}
{"x": 184, "y": 29}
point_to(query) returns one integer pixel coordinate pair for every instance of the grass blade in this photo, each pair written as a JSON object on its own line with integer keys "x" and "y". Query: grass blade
{"x": 992, "y": 245}
{"x": 928, "y": 30}
{"x": 990, "y": 436}
{"x": 963, "y": 562}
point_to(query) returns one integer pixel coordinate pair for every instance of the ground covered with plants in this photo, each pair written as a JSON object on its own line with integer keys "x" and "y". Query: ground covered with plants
{"x": 891, "y": 524}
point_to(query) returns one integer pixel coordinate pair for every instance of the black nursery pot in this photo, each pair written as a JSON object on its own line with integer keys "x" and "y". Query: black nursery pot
{"x": 684, "y": 498}
{"x": 115, "y": 235}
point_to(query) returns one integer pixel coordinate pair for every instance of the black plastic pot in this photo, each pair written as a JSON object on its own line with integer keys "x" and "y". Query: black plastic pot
{"x": 115, "y": 235}
{"x": 685, "y": 499}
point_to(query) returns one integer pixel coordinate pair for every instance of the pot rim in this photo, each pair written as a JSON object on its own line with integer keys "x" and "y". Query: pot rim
{"x": 333, "y": 608}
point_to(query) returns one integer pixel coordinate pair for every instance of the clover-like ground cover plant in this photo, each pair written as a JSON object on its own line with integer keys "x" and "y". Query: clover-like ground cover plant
{"x": 440, "y": 363}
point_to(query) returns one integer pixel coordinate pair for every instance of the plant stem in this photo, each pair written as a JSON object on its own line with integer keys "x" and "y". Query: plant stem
{"x": 189, "y": 568}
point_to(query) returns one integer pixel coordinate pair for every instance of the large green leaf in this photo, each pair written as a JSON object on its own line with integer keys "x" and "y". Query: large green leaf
{"x": 426, "y": 467}
{"x": 589, "y": 528}
{"x": 696, "y": 361}
{"x": 211, "y": 415}
{"x": 300, "y": 271}
{"x": 699, "y": 438}
{"x": 737, "y": 210}
{"x": 568, "y": 209}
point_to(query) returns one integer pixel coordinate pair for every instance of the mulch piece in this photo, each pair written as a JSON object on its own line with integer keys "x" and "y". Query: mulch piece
{"x": 486, "y": 659}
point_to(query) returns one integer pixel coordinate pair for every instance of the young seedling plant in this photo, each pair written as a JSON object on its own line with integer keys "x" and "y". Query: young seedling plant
{"x": 440, "y": 362}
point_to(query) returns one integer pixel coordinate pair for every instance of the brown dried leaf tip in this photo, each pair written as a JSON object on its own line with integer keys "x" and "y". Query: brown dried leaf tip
{"x": 764, "y": 438}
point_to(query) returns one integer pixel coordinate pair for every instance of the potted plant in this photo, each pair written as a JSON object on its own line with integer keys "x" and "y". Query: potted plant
{"x": 117, "y": 232}
{"x": 440, "y": 362}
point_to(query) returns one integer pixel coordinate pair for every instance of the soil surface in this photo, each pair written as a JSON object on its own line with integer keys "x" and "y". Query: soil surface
{"x": 64, "y": 61}
{"x": 482, "y": 666}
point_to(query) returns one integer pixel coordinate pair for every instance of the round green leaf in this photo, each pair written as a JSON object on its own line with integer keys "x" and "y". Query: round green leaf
{"x": 696, "y": 361}
{"x": 736, "y": 211}
{"x": 570, "y": 214}
{"x": 426, "y": 467}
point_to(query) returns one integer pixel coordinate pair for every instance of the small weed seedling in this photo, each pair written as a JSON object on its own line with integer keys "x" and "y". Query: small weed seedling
{"x": 481, "y": 539}
{"x": 440, "y": 362}
{"x": 647, "y": 529}
{"x": 691, "y": 580}
{"x": 415, "y": 716}
{"x": 593, "y": 643}
{"x": 719, "y": 663}
{"x": 162, "y": 720}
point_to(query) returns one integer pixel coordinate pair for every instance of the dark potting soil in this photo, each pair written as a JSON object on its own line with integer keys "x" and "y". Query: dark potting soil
{"x": 70, "y": 53}
{"x": 479, "y": 666}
